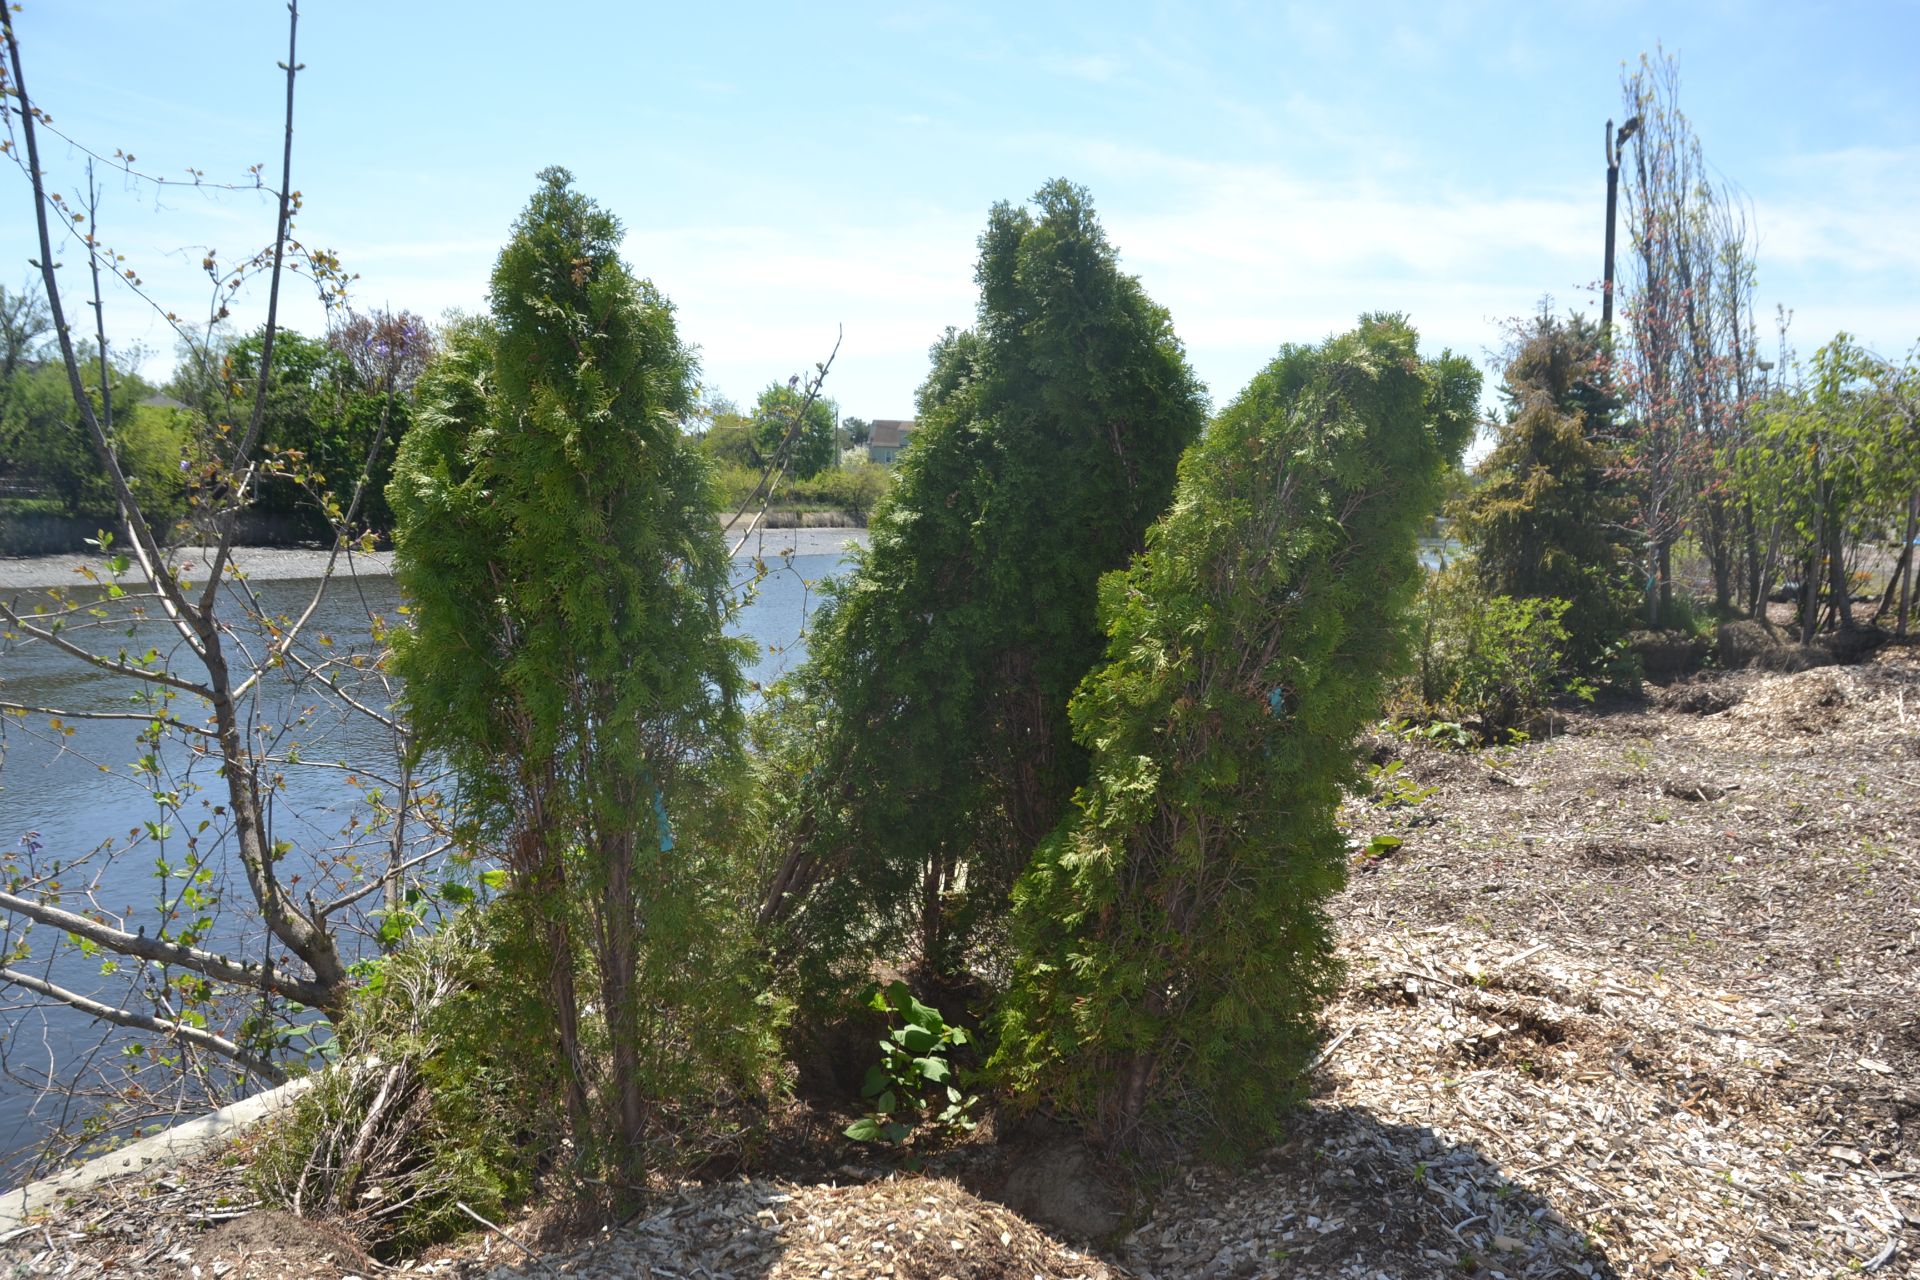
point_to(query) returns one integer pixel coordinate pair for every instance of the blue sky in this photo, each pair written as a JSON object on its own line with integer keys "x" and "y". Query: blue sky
{"x": 1269, "y": 171}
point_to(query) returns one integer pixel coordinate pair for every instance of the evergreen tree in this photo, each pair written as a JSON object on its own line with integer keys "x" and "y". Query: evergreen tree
{"x": 1172, "y": 946}
{"x": 1549, "y": 520}
{"x": 924, "y": 747}
{"x": 557, "y": 538}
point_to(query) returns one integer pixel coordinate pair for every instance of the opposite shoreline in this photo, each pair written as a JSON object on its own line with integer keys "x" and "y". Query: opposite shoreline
{"x": 292, "y": 564}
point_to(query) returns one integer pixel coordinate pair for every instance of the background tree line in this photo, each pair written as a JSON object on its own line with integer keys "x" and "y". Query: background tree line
{"x": 1673, "y": 475}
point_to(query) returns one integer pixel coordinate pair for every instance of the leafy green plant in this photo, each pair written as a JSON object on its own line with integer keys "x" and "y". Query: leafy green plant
{"x": 1388, "y": 787}
{"x": 1492, "y": 662}
{"x": 915, "y": 1079}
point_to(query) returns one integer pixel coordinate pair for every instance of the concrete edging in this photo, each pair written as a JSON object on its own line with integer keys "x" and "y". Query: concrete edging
{"x": 169, "y": 1147}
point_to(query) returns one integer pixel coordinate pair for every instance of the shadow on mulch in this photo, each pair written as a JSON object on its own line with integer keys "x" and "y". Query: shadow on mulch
{"x": 1353, "y": 1193}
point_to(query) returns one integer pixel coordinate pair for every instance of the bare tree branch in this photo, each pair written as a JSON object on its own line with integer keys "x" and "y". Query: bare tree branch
{"x": 145, "y": 1022}
{"x": 160, "y": 951}
{"x": 142, "y": 717}
{"x": 105, "y": 664}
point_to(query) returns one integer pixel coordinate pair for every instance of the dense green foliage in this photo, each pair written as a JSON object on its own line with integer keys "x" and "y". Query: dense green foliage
{"x": 1548, "y": 519}
{"x": 328, "y": 400}
{"x": 924, "y": 749}
{"x": 1490, "y": 661}
{"x": 44, "y": 449}
{"x": 557, "y": 538}
{"x": 1172, "y": 942}
{"x": 786, "y": 425}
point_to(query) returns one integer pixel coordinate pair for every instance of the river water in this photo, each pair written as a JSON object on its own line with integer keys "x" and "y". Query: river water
{"x": 78, "y": 808}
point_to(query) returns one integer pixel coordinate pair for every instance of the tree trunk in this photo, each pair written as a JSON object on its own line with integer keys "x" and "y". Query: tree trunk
{"x": 933, "y": 915}
{"x": 1666, "y": 578}
{"x": 1906, "y": 579}
{"x": 619, "y": 984}
{"x": 1653, "y": 585}
{"x": 1837, "y": 572}
{"x": 1895, "y": 579}
{"x": 1809, "y": 596}
{"x": 1756, "y": 584}
{"x": 1720, "y": 553}
{"x": 307, "y": 938}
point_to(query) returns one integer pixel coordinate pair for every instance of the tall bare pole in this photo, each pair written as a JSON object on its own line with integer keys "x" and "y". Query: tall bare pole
{"x": 1615, "y": 142}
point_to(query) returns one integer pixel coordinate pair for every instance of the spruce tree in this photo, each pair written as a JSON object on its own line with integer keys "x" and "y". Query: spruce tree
{"x": 1172, "y": 944}
{"x": 559, "y": 546}
{"x": 925, "y": 742}
{"x": 1548, "y": 519}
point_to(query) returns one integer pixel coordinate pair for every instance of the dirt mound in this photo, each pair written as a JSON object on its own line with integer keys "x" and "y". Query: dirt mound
{"x": 906, "y": 1228}
{"x": 1805, "y": 702}
{"x": 269, "y": 1243}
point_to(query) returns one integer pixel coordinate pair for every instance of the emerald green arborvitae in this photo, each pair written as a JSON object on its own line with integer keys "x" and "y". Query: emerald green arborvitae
{"x": 1548, "y": 518}
{"x": 557, "y": 540}
{"x": 925, "y": 746}
{"x": 1171, "y": 941}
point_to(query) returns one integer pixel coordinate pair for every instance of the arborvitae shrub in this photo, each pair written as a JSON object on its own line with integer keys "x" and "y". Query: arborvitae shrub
{"x": 924, "y": 747}
{"x": 558, "y": 541}
{"x": 1172, "y": 945}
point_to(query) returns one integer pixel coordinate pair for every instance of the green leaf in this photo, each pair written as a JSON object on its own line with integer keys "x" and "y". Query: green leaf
{"x": 865, "y": 1129}
{"x": 933, "y": 1070}
{"x": 875, "y": 1082}
{"x": 917, "y": 1039}
{"x": 885, "y": 1103}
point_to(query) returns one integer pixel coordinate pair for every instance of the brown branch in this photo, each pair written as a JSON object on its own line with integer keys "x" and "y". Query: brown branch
{"x": 145, "y": 1022}
{"x": 160, "y": 951}
{"x": 785, "y": 451}
{"x": 105, "y": 664}
{"x": 251, "y": 439}
{"x": 167, "y": 720}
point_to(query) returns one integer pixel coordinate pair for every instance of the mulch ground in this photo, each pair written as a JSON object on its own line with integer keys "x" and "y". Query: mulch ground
{"x": 1639, "y": 1000}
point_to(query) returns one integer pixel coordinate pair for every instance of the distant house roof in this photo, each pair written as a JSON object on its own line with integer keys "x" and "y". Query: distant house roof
{"x": 891, "y": 433}
{"x": 160, "y": 400}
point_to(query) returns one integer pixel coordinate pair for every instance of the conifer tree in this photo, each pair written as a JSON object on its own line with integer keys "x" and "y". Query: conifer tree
{"x": 558, "y": 541}
{"x": 926, "y": 739}
{"x": 1549, "y": 519}
{"x": 1172, "y": 946}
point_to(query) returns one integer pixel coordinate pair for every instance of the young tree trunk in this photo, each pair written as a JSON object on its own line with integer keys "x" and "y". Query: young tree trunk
{"x": 1666, "y": 579}
{"x": 1895, "y": 579}
{"x": 1756, "y": 581}
{"x": 1652, "y": 593}
{"x": 1837, "y": 572}
{"x": 1906, "y": 553}
{"x": 619, "y": 980}
{"x": 1720, "y": 553}
{"x": 1809, "y": 596}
